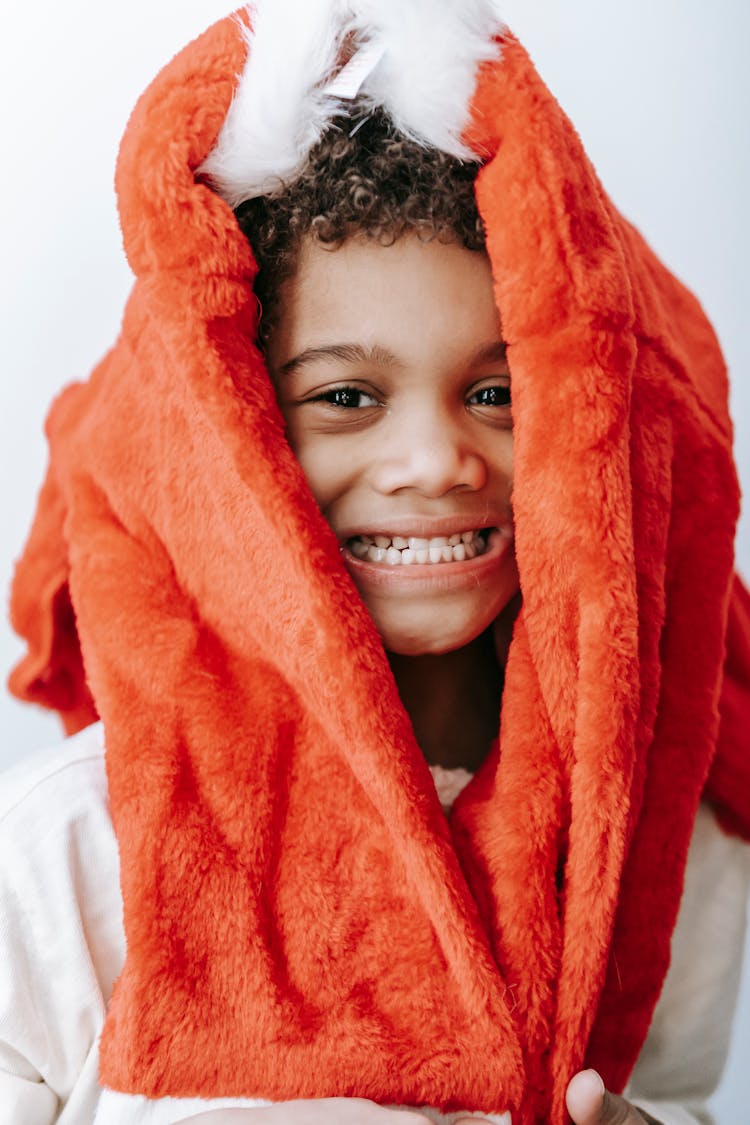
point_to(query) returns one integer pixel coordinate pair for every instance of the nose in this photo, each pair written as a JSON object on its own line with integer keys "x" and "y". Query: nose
{"x": 431, "y": 454}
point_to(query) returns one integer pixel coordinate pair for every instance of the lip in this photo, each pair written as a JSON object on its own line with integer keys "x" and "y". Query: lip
{"x": 428, "y": 527}
{"x": 431, "y": 578}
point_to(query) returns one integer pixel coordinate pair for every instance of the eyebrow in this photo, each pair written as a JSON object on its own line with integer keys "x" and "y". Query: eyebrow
{"x": 345, "y": 353}
{"x": 489, "y": 353}
{"x": 358, "y": 353}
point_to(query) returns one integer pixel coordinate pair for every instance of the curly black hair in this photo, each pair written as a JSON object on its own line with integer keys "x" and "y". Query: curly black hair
{"x": 362, "y": 177}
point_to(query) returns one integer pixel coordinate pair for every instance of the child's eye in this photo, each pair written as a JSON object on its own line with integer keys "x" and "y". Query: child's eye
{"x": 494, "y": 395}
{"x": 350, "y": 398}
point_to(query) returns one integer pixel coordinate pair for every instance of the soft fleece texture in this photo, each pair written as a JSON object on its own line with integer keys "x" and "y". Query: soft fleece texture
{"x": 301, "y": 919}
{"x": 422, "y": 59}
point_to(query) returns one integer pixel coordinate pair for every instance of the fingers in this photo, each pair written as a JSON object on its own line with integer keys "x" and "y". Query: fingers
{"x": 312, "y": 1111}
{"x": 585, "y": 1098}
{"x": 472, "y": 1119}
{"x": 590, "y": 1104}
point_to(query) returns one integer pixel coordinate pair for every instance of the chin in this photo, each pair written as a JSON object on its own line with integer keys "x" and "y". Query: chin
{"x": 424, "y": 646}
{"x": 433, "y": 630}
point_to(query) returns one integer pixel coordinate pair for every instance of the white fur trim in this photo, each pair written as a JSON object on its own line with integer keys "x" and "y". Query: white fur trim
{"x": 419, "y": 62}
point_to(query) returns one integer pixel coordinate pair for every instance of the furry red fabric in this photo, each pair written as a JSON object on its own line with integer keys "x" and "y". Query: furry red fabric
{"x": 301, "y": 920}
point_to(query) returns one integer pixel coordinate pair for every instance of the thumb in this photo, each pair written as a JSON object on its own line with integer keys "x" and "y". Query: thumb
{"x": 590, "y": 1104}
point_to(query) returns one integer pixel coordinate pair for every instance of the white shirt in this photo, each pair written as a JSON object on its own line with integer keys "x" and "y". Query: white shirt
{"x": 62, "y": 946}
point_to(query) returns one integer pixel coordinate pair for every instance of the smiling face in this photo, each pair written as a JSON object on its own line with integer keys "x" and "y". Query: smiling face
{"x": 391, "y": 374}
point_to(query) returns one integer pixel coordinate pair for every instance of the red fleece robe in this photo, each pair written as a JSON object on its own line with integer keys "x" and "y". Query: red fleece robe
{"x": 301, "y": 920}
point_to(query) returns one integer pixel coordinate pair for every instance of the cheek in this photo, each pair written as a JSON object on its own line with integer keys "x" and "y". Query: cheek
{"x": 329, "y": 470}
{"x": 500, "y": 460}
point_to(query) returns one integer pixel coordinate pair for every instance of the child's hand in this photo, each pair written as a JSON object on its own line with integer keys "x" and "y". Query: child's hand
{"x": 312, "y": 1111}
{"x": 590, "y": 1104}
{"x": 587, "y": 1101}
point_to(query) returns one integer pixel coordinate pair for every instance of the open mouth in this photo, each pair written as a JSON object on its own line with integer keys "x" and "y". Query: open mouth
{"x": 414, "y": 551}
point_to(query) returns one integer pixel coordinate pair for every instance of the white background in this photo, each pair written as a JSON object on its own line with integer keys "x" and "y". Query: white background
{"x": 658, "y": 90}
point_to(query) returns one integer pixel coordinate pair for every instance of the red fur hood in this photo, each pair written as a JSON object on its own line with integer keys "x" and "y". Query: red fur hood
{"x": 301, "y": 919}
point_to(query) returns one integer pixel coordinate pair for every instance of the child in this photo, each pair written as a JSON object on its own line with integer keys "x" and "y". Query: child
{"x": 288, "y": 598}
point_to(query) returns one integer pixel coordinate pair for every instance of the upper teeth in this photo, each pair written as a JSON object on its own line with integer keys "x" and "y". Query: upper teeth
{"x": 398, "y": 550}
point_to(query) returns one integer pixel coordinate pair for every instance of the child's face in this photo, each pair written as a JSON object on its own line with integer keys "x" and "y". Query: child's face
{"x": 391, "y": 374}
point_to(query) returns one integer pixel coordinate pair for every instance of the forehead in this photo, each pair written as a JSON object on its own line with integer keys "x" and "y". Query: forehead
{"x": 414, "y": 297}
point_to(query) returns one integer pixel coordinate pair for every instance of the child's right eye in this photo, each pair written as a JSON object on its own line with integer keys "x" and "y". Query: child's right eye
{"x": 347, "y": 397}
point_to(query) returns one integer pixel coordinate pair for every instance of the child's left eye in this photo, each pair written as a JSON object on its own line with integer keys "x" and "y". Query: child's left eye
{"x": 350, "y": 398}
{"x": 495, "y": 395}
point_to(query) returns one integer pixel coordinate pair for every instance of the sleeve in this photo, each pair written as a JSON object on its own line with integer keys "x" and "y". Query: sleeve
{"x": 61, "y": 942}
{"x": 27, "y": 1040}
{"x": 133, "y": 1109}
{"x": 684, "y": 1054}
{"x": 25, "y": 1097}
